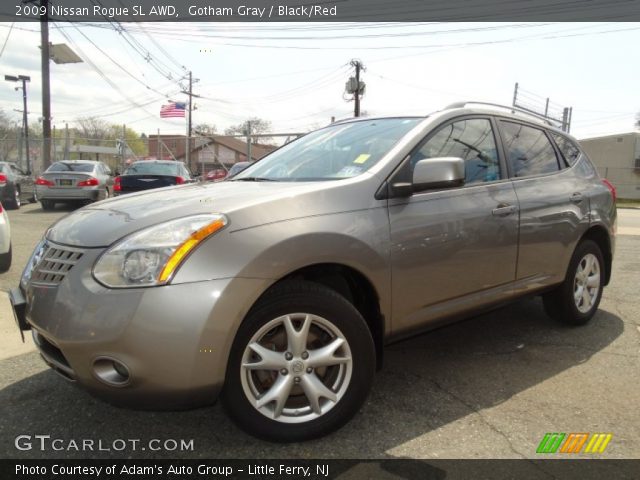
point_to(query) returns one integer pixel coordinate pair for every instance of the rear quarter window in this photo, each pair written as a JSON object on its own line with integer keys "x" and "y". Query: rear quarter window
{"x": 567, "y": 147}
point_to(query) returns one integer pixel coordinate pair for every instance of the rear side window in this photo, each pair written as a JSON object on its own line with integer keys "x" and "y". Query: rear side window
{"x": 473, "y": 141}
{"x": 529, "y": 150}
{"x": 569, "y": 149}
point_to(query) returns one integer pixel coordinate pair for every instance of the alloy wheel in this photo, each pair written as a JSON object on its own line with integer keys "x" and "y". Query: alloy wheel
{"x": 296, "y": 368}
{"x": 586, "y": 283}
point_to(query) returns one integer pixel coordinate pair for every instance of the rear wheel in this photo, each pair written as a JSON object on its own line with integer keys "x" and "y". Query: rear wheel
{"x": 5, "y": 261}
{"x": 301, "y": 365}
{"x": 14, "y": 203}
{"x": 47, "y": 204}
{"x": 576, "y": 300}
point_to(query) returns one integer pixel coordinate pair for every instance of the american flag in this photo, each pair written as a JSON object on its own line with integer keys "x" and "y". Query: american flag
{"x": 172, "y": 109}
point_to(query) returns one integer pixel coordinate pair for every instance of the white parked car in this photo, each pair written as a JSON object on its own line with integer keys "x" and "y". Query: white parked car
{"x": 5, "y": 241}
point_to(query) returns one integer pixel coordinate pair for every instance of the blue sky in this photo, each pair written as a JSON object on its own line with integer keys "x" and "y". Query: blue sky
{"x": 294, "y": 74}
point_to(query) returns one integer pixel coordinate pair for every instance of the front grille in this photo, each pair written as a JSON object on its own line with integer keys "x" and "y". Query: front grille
{"x": 55, "y": 263}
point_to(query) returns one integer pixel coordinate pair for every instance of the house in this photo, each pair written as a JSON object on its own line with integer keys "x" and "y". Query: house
{"x": 617, "y": 158}
{"x": 208, "y": 152}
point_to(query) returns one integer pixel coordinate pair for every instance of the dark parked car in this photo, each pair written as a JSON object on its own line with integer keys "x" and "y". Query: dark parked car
{"x": 15, "y": 185}
{"x": 148, "y": 174}
{"x": 237, "y": 168}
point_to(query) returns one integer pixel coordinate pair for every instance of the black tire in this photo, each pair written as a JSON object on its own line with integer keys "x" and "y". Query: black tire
{"x": 5, "y": 261}
{"x": 47, "y": 204}
{"x": 306, "y": 298}
{"x": 14, "y": 202}
{"x": 559, "y": 304}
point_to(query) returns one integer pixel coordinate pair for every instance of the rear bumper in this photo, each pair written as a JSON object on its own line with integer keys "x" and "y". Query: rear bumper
{"x": 57, "y": 193}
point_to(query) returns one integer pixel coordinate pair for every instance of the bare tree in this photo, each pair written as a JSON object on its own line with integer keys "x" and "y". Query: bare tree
{"x": 259, "y": 126}
{"x": 93, "y": 130}
{"x": 205, "y": 129}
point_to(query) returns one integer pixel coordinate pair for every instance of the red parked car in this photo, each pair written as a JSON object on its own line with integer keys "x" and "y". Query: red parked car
{"x": 216, "y": 175}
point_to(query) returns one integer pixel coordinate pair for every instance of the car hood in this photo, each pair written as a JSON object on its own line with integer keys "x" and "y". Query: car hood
{"x": 246, "y": 204}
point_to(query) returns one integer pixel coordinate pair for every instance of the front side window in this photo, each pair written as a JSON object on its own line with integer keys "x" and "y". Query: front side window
{"x": 569, "y": 149}
{"x": 529, "y": 150}
{"x": 473, "y": 141}
{"x": 336, "y": 152}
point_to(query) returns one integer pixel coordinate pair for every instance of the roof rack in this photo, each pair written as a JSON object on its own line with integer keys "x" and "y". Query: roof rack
{"x": 512, "y": 108}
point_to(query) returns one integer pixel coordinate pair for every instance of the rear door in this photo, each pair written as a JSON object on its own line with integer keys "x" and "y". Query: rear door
{"x": 554, "y": 205}
{"x": 454, "y": 249}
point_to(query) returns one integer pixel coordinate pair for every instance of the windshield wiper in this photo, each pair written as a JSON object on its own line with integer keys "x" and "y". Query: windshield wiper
{"x": 254, "y": 179}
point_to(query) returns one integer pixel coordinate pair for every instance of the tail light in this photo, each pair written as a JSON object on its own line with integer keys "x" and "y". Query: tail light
{"x": 44, "y": 181}
{"x": 117, "y": 187}
{"x": 3, "y": 179}
{"x": 90, "y": 182}
{"x": 179, "y": 180}
{"x": 1, "y": 208}
{"x": 611, "y": 188}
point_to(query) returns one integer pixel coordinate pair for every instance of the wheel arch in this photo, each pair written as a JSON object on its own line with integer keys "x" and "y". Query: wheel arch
{"x": 352, "y": 285}
{"x": 600, "y": 235}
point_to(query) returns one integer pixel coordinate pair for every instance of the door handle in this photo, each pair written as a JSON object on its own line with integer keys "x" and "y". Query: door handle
{"x": 503, "y": 210}
{"x": 576, "y": 197}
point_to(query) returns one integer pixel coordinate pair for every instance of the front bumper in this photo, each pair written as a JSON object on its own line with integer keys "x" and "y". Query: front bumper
{"x": 174, "y": 340}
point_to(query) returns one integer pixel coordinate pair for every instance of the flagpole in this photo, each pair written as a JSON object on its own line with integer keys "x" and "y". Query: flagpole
{"x": 188, "y": 144}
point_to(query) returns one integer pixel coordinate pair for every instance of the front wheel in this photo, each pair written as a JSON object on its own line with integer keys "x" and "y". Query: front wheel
{"x": 576, "y": 300}
{"x": 301, "y": 364}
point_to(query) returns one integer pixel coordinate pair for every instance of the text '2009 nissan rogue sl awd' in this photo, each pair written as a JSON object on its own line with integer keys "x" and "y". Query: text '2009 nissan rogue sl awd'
{"x": 278, "y": 288}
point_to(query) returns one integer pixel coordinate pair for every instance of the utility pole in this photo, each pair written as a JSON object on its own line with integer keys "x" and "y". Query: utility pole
{"x": 46, "y": 86}
{"x": 248, "y": 140}
{"x": 356, "y": 87}
{"x": 188, "y": 154}
{"x": 25, "y": 120}
{"x": 356, "y": 94}
{"x": 190, "y": 94}
{"x": 66, "y": 142}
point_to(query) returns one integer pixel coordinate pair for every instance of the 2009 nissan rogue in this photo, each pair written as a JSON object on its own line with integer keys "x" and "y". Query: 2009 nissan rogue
{"x": 280, "y": 287}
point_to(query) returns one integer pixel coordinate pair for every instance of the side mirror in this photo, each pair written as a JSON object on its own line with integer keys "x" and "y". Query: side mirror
{"x": 440, "y": 172}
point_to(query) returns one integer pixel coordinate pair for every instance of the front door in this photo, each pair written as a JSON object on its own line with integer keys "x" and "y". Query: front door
{"x": 454, "y": 249}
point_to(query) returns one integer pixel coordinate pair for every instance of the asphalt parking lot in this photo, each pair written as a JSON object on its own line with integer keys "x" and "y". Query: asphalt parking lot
{"x": 489, "y": 387}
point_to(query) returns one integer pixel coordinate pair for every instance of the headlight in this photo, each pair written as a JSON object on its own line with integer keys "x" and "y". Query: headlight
{"x": 151, "y": 256}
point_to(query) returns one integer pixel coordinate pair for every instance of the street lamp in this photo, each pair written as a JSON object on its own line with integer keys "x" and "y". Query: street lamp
{"x": 25, "y": 122}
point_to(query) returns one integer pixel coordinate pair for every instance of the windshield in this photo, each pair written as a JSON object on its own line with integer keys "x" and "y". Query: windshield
{"x": 154, "y": 168}
{"x": 335, "y": 152}
{"x": 70, "y": 167}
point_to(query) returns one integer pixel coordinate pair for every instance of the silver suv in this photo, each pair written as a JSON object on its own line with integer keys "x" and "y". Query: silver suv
{"x": 279, "y": 288}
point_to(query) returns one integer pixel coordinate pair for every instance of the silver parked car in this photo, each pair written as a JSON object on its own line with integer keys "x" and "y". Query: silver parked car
{"x": 73, "y": 180}
{"x": 280, "y": 287}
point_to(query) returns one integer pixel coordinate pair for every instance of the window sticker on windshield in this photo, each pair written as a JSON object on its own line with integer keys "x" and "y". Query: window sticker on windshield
{"x": 362, "y": 158}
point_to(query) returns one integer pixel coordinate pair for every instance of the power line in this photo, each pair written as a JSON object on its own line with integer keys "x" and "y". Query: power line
{"x": 6, "y": 39}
